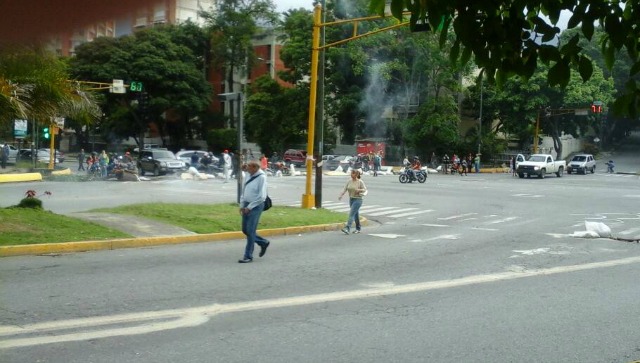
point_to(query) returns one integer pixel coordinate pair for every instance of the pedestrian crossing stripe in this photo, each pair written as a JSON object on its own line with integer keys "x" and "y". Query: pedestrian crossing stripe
{"x": 411, "y": 213}
{"x": 367, "y": 210}
{"x": 389, "y": 212}
{"x": 458, "y": 216}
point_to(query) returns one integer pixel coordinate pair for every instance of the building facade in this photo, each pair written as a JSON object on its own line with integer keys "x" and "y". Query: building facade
{"x": 161, "y": 12}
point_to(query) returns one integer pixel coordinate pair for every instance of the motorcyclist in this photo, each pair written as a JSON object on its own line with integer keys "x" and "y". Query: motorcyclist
{"x": 416, "y": 166}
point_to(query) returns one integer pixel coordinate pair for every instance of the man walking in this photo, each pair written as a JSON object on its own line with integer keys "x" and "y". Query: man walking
{"x": 81, "y": 158}
{"x": 226, "y": 165}
{"x": 251, "y": 205}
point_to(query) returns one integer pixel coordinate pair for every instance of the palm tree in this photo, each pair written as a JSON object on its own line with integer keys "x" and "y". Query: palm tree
{"x": 34, "y": 85}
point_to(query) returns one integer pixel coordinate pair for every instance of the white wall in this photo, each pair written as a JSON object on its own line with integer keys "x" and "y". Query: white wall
{"x": 569, "y": 145}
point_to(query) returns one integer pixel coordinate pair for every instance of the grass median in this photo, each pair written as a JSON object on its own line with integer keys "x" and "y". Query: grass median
{"x": 20, "y": 226}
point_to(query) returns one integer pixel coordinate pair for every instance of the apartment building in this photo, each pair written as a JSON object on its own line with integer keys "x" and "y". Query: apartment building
{"x": 161, "y": 12}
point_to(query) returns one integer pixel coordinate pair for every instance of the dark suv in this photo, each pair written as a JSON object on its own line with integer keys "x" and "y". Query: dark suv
{"x": 159, "y": 161}
{"x": 295, "y": 157}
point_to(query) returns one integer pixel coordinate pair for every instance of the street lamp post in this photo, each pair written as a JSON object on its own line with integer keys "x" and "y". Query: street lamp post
{"x": 480, "y": 117}
{"x": 237, "y": 96}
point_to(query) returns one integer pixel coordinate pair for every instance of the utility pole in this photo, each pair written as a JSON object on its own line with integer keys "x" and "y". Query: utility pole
{"x": 320, "y": 113}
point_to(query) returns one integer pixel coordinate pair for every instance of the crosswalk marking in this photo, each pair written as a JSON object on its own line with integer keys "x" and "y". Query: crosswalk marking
{"x": 389, "y": 212}
{"x": 444, "y": 236}
{"x": 340, "y": 209}
{"x": 528, "y": 195}
{"x": 458, "y": 216}
{"x": 508, "y": 219}
{"x": 411, "y": 213}
{"x": 484, "y": 222}
{"x": 379, "y": 209}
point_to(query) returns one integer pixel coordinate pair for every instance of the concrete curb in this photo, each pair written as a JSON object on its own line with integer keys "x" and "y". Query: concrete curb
{"x": 23, "y": 177}
{"x": 83, "y": 246}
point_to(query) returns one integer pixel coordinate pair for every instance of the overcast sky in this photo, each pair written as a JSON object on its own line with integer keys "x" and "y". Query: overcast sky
{"x": 284, "y": 5}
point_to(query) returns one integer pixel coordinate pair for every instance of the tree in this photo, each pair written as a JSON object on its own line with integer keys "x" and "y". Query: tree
{"x": 616, "y": 126}
{"x": 366, "y": 77}
{"x": 275, "y": 115}
{"x": 34, "y": 85}
{"x": 231, "y": 27}
{"x": 173, "y": 75}
{"x": 509, "y": 38}
{"x": 516, "y": 105}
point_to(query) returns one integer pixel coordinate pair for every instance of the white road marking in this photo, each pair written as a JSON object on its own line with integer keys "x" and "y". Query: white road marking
{"x": 57, "y": 331}
{"x": 444, "y": 236}
{"x": 508, "y": 219}
{"x": 390, "y": 211}
{"x": 528, "y": 195}
{"x": 411, "y": 213}
{"x": 485, "y": 229}
{"x": 458, "y": 216}
{"x": 339, "y": 209}
{"x": 435, "y": 225}
{"x": 560, "y": 235}
{"x": 384, "y": 235}
{"x": 369, "y": 206}
{"x": 378, "y": 209}
{"x": 537, "y": 251}
{"x": 629, "y": 231}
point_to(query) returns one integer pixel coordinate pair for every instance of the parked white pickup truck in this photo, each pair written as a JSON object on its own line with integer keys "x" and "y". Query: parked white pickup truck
{"x": 540, "y": 165}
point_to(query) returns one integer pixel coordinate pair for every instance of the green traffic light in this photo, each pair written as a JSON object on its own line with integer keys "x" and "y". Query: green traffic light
{"x": 45, "y": 132}
{"x": 136, "y": 86}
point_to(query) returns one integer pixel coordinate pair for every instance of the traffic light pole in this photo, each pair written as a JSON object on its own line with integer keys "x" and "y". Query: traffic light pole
{"x": 308, "y": 199}
{"x": 52, "y": 143}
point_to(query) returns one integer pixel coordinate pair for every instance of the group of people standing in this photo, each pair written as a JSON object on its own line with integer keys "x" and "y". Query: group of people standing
{"x": 458, "y": 164}
{"x": 368, "y": 161}
{"x": 102, "y": 162}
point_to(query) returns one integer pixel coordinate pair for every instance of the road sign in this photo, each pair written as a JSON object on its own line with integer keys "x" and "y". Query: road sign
{"x": 581, "y": 112}
{"x": 20, "y": 129}
{"x": 118, "y": 86}
{"x": 59, "y": 121}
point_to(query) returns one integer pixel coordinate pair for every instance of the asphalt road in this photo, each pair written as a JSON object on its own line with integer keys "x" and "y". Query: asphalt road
{"x": 480, "y": 268}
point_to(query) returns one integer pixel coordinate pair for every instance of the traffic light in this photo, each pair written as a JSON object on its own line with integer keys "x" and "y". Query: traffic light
{"x": 45, "y": 133}
{"x": 143, "y": 101}
{"x": 596, "y": 107}
{"x": 136, "y": 86}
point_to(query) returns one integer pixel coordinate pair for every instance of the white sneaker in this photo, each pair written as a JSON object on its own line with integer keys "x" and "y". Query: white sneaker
{"x": 356, "y": 231}
{"x": 345, "y": 230}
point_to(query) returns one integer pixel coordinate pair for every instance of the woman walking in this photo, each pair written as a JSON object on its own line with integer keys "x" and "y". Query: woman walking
{"x": 357, "y": 189}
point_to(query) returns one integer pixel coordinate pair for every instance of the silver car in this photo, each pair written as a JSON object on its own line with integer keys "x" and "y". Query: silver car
{"x": 582, "y": 163}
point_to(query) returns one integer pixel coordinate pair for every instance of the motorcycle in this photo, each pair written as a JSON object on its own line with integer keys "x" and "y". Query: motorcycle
{"x": 120, "y": 167}
{"x": 407, "y": 176}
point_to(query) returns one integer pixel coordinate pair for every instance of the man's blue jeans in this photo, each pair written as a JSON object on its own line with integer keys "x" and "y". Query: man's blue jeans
{"x": 354, "y": 213}
{"x": 249, "y": 227}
